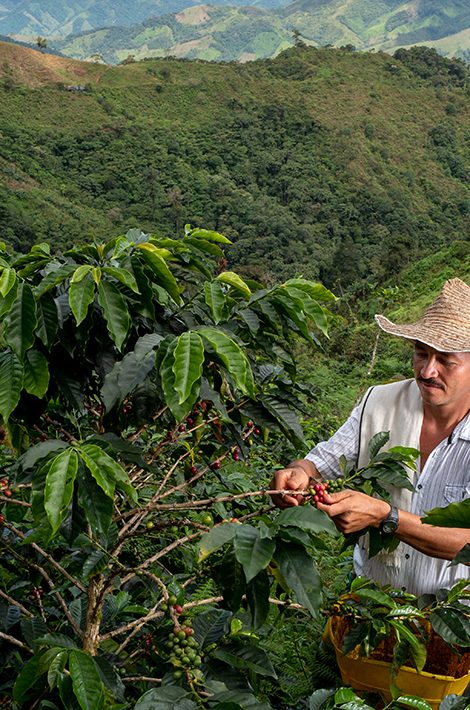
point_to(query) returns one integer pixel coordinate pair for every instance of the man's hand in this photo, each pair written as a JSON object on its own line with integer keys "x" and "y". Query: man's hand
{"x": 352, "y": 511}
{"x": 294, "y": 478}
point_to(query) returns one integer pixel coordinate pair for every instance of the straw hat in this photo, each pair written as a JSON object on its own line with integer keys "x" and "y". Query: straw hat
{"x": 444, "y": 325}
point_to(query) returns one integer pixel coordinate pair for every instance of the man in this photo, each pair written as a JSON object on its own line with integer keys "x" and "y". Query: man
{"x": 429, "y": 413}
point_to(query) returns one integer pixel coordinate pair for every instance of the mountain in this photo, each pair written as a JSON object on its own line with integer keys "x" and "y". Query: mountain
{"x": 333, "y": 164}
{"x": 26, "y": 19}
{"x": 215, "y": 32}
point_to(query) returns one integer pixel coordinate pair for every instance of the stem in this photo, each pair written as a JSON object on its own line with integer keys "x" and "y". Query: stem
{"x": 91, "y": 636}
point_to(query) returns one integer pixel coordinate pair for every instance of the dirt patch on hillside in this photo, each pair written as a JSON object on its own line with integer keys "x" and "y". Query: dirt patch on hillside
{"x": 34, "y": 68}
{"x": 197, "y": 15}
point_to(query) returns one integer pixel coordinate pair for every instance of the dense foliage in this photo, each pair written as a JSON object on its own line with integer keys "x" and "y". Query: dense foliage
{"x": 321, "y": 163}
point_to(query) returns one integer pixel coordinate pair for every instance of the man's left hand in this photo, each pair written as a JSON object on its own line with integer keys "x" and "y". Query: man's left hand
{"x": 352, "y": 511}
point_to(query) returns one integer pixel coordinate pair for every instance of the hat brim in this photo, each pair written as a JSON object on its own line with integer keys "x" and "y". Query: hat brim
{"x": 446, "y": 342}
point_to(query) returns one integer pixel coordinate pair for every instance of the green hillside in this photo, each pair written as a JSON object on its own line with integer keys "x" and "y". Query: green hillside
{"x": 217, "y": 32}
{"x": 326, "y": 163}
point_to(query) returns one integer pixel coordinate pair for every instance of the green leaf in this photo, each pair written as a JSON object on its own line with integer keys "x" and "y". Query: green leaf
{"x": 122, "y": 275}
{"x": 235, "y": 281}
{"x": 377, "y": 442}
{"x": 115, "y": 312}
{"x": 54, "y": 277}
{"x": 28, "y": 676}
{"x": 463, "y": 556}
{"x": 411, "y": 701}
{"x": 451, "y": 625}
{"x": 36, "y": 373}
{"x": 47, "y": 320}
{"x": 168, "y": 697}
{"x": 252, "y": 551}
{"x": 455, "y": 515}
{"x": 306, "y": 517}
{"x": 11, "y": 382}
{"x": 405, "y": 612}
{"x": 345, "y": 695}
{"x": 257, "y": 594}
{"x": 80, "y": 273}
{"x": 168, "y": 380}
{"x": 59, "y": 486}
{"x": 97, "y": 506}
{"x": 286, "y": 418}
{"x": 206, "y": 234}
{"x": 86, "y": 681}
{"x": 377, "y": 596}
{"x": 248, "y": 657}
{"x": 232, "y": 356}
{"x": 106, "y": 471}
{"x": 94, "y": 564}
{"x": 7, "y": 280}
{"x": 163, "y": 275}
{"x": 417, "y": 646}
{"x": 59, "y": 640}
{"x": 215, "y": 299}
{"x": 316, "y": 291}
{"x": 56, "y": 668}
{"x": 21, "y": 321}
{"x": 215, "y": 539}
{"x": 125, "y": 377}
{"x": 390, "y": 473}
{"x": 298, "y": 569}
{"x": 188, "y": 358}
{"x": 319, "y": 698}
{"x": 81, "y": 295}
{"x": 7, "y": 302}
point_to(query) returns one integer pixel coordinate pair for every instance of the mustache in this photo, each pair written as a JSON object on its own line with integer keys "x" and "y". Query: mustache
{"x": 430, "y": 381}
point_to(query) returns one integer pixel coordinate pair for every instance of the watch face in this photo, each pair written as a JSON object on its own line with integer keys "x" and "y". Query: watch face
{"x": 389, "y": 526}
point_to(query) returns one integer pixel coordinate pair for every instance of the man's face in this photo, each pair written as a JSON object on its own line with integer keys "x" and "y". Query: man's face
{"x": 442, "y": 378}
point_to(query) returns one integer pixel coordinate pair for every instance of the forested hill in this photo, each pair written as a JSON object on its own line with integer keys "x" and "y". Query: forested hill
{"x": 327, "y": 163}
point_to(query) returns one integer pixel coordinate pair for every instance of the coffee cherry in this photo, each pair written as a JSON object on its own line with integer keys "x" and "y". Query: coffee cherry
{"x": 215, "y": 465}
{"x": 172, "y": 599}
{"x": 178, "y": 608}
{"x": 181, "y": 427}
{"x": 193, "y": 470}
{"x": 236, "y": 455}
{"x": 256, "y": 431}
{"x": 150, "y": 525}
{"x": 318, "y": 490}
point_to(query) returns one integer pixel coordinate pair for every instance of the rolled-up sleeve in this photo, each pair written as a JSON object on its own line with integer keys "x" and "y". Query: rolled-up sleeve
{"x": 344, "y": 442}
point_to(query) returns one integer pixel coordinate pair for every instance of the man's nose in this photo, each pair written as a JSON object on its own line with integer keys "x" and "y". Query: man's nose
{"x": 429, "y": 368}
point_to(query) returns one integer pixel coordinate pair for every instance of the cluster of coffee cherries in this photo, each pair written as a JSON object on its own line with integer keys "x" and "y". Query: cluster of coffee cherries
{"x": 318, "y": 490}
{"x": 341, "y": 608}
{"x": 184, "y": 653}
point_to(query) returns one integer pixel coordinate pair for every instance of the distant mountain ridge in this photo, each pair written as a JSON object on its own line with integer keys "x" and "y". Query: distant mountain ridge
{"x": 228, "y": 30}
{"x": 222, "y": 33}
{"x": 25, "y": 19}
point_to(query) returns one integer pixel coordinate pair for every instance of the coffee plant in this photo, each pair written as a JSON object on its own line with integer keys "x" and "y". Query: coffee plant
{"x": 139, "y": 560}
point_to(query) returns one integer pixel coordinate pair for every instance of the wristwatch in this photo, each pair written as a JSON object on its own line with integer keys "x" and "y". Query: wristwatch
{"x": 390, "y": 524}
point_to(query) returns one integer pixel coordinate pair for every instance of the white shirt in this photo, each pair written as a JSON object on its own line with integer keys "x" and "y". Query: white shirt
{"x": 444, "y": 479}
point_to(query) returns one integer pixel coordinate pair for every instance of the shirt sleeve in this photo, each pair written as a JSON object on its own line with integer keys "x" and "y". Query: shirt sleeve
{"x": 344, "y": 442}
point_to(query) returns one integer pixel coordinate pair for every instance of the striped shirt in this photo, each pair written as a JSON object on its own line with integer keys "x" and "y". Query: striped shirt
{"x": 445, "y": 479}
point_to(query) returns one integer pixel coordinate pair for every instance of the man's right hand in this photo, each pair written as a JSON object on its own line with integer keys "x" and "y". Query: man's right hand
{"x": 293, "y": 478}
